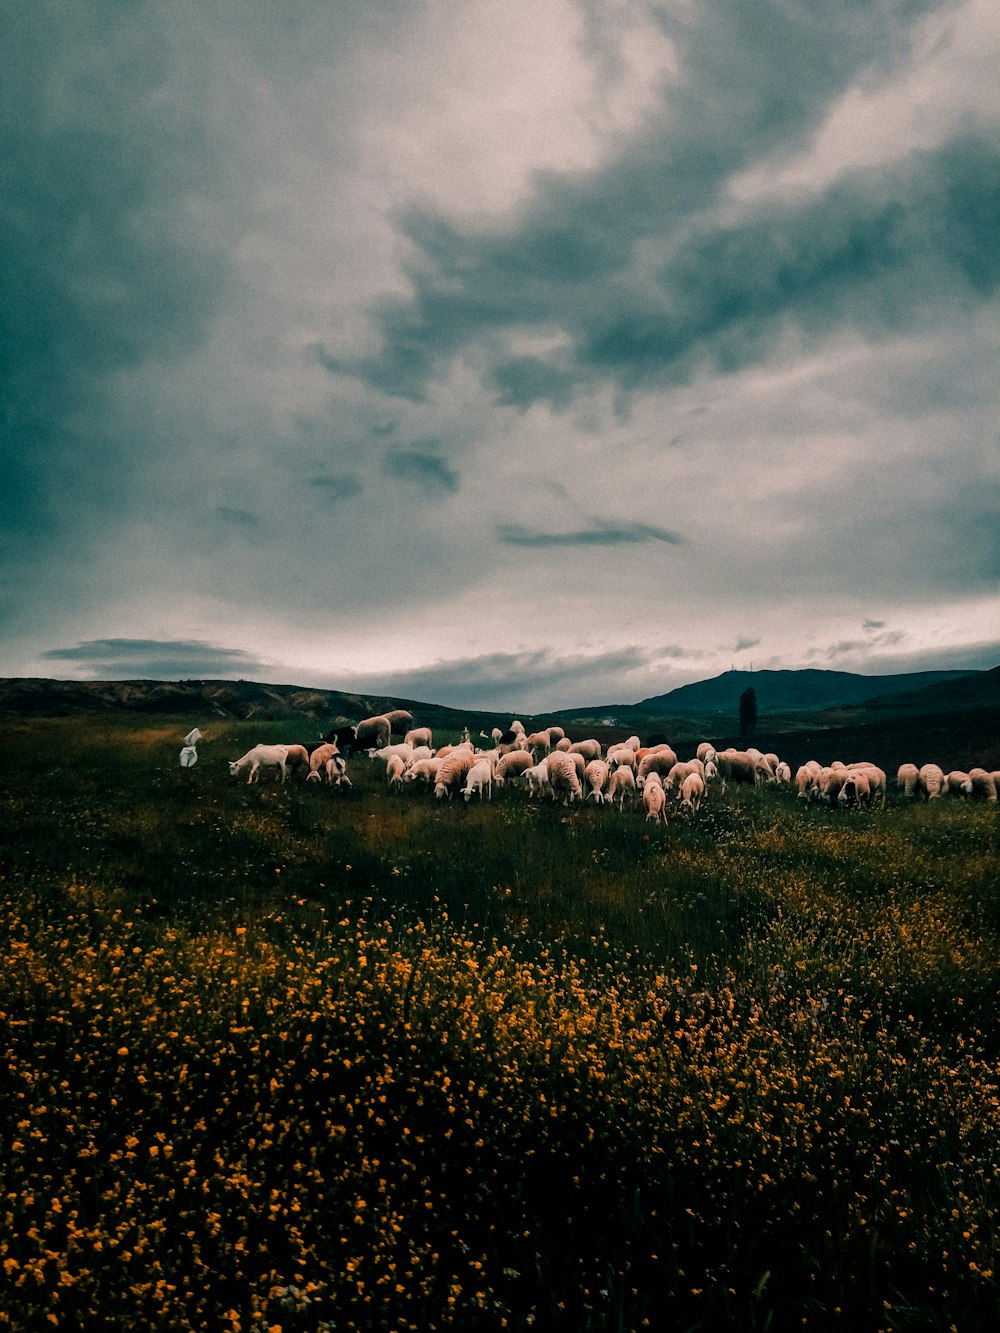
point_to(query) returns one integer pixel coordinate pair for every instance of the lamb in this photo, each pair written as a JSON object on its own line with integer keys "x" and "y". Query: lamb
{"x": 372, "y": 733}
{"x": 261, "y": 756}
{"x": 418, "y": 736}
{"x": 479, "y": 779}
{"x": 983, "y": 784}
{"x": 692, "y": 790}
{"x": 336, "y": 772}
{"x": 536, "y": 779}
{"x": 931, "y": 779}
{"x": 453, "y": 772}
{"x": 596, "y": 776}
{"x": 621, "y": 783}
{"x": 564, "y": 779}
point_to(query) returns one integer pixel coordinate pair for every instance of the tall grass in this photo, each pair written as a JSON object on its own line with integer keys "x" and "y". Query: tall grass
{"x": 288, "y": 1058}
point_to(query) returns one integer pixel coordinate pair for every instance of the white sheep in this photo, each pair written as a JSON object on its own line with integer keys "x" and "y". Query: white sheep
{"x": 661, "y": 761}
{"x": 373, "y": 733}
{"x": 691, "y": 792}
{"x": 395, "y": 771}
{"x": 511, "y": 766}
{"x": 453, "y": 772}
{"x": 564, "y": 778}
{"x": 907, "y": 779}
{"x": 807, "y": 780}
{"x": 984, "y": 786}
{"x": 620, "y": 755}
{"x": 424, "y": 770}
{"x": 399, "y": 719}
{"x": 539, "y": 743}
{"x": 536, "y": 778}
{"x": 555, "y": 734}
{"x": 705, "y": 751}
{"x": 479, "y": 779}
{"x": 655, "y": 801}
{"x": 260, "y": 757}
{"x": 931, "y": 779}
{"x": 297, "y": 759}
{"x": 418, "y": 736}
{"x": 590, "y": 749}
{"x": 596, "y": 776}
{"x": 957, "y": 783}
{"x": 621, "y": 784}
{"x": 682, "y": 769}
{"x": 319, "y": 759}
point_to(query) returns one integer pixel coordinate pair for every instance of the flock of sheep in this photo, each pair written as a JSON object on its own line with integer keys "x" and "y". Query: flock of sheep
{"x": 548, "y": 765}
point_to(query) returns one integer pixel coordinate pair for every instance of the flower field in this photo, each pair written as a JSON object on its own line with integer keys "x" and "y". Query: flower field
{"x": 312, "y": 1061}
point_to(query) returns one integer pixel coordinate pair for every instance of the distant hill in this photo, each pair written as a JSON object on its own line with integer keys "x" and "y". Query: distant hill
{"x": 808, "y": 690}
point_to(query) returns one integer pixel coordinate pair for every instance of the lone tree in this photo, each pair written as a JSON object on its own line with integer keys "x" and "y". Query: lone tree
{"x": 748, "y": 713}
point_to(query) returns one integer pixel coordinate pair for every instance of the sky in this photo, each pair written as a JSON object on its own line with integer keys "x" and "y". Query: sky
{"x": 516, "y": 356}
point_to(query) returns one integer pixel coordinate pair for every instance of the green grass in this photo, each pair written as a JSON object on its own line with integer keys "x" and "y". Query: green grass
{"x": 330, "y": 1060}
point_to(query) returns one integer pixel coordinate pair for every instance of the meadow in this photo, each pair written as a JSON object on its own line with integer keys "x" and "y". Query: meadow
{"x": 284, "y": 1058}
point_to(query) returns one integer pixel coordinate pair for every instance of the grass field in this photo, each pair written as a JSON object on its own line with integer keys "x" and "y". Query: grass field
{"x": 287, "y": 1058}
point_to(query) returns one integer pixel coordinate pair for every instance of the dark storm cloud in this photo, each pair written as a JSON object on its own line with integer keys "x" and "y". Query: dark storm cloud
{"x": 426, "y": 470}
{"x": 116, "y": 659}
{"x": 241, "y": 518}
{"x": 90, "y": 283}
{"x": 332, "y": 489}
{"x": 601, "y": 534}
{"x": 574, "y": 262}
{"x": 507, "y": 680}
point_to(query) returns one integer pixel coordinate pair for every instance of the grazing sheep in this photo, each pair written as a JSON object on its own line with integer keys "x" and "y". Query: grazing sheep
{"x": 395, "y": 771}
{"x": 590, "y": 749}
{"x": 453, "y": 772}
{"x": 984, "y": 787}
{"x": 418, "y": 736}
{"x": 931, "y": 778}
{"x": 807, "y": 780}
{"x": 655, "y": 802}
{"x": 564, "y": 778}
{"x": 372, "y": 733}
{"x": 479, "y": 779}
{"x": 318, "y": 760}
{"x": 736, "y": 766}
{"x": 957, "y": 783}
{"x": 400, "y": 749}
{"x": 555, "y": 734}
{"x": 563, "y": 744}
{"x": 854, "y": 789}
{"x": 783, "y": 774}
{"x": 536, "y": 779}
{"x": 692, "y": 790}
{"x": 538, "y": 744}
{"x": 680, "y": 770}
{"x": 511, "y": 766}
{"x": 661, "y": 761}
{"x": 907, "y": 779}
{"x": 424, "y": 770}
{"x": 297, "y": 759}
{"x": 621, "y": 784}
{"x": 705, "y": 751}
{"x": 260, "y": 757}
{"x": 336, "y": 771}
{"x": 596, "y": 776}
{"x": 399, "y": 720}
{"x": 621, "y": 754}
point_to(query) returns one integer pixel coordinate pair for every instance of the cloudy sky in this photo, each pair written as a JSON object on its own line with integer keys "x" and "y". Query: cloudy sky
{"x": 514, "y": 355}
